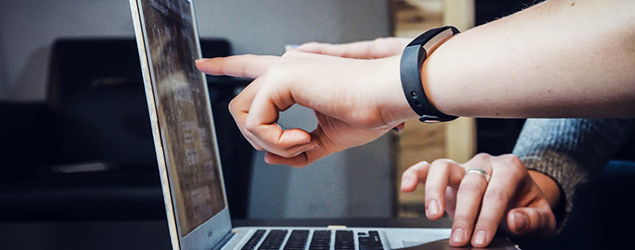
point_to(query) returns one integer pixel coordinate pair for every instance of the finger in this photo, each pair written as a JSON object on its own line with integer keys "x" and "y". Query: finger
{"x": 352, "y": 50}
{"x": 239, "y": 109}
{"x": 301, "y": 159}
{"x": 468, "y": 202}
{"x": 296, "y": 161}
{"x": 251, "y": 66}
{"x": 450, "y": 200}
{"x": 413, "y": 176}
{"x": 507, "y": 174}
{"x": 536, "y": 220}
{"x": 443, "y": 173}
{"x": 264, "y": 113}
{"x": 290, "y": 142}
{"x": 378, "y": 48}
{"x": 324, "y": 148}
{"x": 286, "y": 143}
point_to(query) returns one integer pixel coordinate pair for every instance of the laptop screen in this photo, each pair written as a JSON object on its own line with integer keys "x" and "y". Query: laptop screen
{"x": 183, "y": 111}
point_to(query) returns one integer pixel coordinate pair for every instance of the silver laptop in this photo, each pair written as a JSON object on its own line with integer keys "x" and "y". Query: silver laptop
{"x": 187, "y": 151}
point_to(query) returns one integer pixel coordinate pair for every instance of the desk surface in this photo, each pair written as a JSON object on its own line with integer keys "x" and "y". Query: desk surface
{"x": 136, "y": 235}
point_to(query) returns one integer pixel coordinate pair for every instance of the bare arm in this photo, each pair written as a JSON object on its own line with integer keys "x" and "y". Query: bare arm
{"x": 556, "y": 59}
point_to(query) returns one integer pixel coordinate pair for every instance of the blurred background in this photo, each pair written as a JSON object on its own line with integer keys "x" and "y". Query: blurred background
{"x": 75, "y": 137}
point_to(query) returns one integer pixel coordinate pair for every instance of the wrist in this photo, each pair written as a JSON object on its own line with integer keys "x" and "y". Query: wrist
{"x": 393, "y": 106}
{"x": 413, "y": 76}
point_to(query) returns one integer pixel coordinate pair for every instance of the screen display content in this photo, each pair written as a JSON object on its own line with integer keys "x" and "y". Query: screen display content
{"x": 183, "y": 112}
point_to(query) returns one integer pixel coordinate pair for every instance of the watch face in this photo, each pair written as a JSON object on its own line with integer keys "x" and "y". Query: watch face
{"x": 437, "y": 40}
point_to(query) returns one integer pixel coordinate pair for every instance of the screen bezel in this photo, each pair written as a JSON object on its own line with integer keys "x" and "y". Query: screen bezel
{"x": 212, "y": 231}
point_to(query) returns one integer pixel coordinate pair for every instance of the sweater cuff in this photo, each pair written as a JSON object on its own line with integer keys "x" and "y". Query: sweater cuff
{"x": 564, "y": 172}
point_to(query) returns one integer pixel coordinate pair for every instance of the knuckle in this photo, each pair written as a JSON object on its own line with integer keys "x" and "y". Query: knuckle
{"x": 513, "y": 166}
{"x": 278, "y": 73}
{"x": 419, "y": 167}
{"x": 442, "y": 163}
{"x": 251, "y": 126}
{"x": 511, "y": 160}
{"x": 232, "y": 107}
{"x": 276, "y": 69}
{"x": 482, "y": 156}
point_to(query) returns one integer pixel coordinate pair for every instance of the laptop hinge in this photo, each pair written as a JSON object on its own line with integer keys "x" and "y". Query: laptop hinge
{"x": 223, "y": 241}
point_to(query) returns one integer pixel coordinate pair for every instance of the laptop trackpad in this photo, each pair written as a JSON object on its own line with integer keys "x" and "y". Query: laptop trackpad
{"x": 497, "y": 243}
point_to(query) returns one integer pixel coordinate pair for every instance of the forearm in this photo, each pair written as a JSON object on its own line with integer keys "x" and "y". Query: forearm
{"x": 556, "y": 59}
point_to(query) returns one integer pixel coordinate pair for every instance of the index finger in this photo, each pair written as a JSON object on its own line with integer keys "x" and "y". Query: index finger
{"x": 378, "y": 48}
{"x": 251, "y": 66}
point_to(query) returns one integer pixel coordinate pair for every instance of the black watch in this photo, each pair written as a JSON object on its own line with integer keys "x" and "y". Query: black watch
{"x": 411, "y": 61}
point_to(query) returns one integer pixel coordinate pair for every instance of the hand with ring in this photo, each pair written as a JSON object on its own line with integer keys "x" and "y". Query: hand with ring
{"x": 484, "y": 195}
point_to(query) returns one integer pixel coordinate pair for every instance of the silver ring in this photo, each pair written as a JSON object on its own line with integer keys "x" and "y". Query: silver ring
{"x": 478, "y": 171}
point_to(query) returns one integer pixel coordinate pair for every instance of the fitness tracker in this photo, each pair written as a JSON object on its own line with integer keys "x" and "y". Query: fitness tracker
{"x": 411, "y": 61}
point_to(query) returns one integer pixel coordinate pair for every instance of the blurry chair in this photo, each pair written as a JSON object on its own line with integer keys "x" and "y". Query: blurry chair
{"x": 88, "y": 152}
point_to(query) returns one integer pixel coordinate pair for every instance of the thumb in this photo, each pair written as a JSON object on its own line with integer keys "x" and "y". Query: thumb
{"x": 531, "y": 221}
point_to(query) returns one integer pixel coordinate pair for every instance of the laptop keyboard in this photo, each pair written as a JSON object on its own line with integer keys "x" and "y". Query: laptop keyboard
{"x": 297, "y": 240}
{"x": 320, "y": 240}
{"x": 253, "y": 241}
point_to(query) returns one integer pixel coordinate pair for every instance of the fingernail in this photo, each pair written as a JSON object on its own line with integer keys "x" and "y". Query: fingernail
{"x": 520, "y": 220}
{"x": 312, "y": 147}
{"x": 458, "y": 236}
{"x": 289, "y": 47}
{"x": 201, "y": 60}
{"x": 307, "y": 149}
{"x": 433, "y": 208}
{"x": 479, "y": 238}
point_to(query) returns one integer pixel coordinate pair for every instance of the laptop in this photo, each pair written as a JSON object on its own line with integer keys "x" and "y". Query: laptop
{"x": 187, "y": 151}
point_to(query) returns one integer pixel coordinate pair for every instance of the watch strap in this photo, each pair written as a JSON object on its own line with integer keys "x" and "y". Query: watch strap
{"x": 411, "y": 61}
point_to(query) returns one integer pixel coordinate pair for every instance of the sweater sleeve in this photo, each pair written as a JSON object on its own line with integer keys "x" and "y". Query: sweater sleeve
{"x": 571, "y": 151}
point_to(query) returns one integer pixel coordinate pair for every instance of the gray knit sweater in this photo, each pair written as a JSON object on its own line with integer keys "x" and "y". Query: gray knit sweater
{"x": 571, "y": 151}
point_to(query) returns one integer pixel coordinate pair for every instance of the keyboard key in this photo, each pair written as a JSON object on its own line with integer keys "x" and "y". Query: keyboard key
{"x": 253, "y": 241}
{"x": 370, "y": 242}
{"x": 297, "y": 240}
{"x": 274, "y": 240}
{"x": 321, "y": 240}
{"x": 344, "y": 240}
